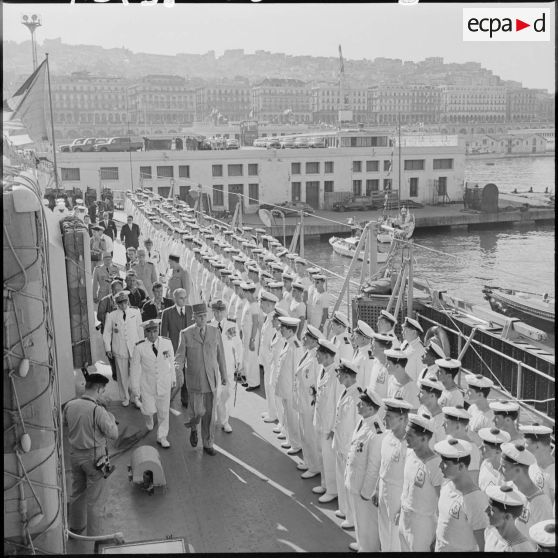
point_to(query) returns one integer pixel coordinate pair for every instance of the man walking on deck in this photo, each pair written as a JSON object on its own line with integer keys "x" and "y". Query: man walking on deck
{"x": 201, "y": 353}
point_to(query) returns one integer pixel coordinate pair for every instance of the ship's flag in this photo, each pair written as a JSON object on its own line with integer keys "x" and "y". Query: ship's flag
{"x": 29, "y": 104}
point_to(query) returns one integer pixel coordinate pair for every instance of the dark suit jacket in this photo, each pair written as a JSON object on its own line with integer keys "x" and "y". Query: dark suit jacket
{"x": 149, "y": 310}
{"x": 130, "y": 237}
{"x": 201, "y": 357}
{"x": 172, "y": 323}
{"x": 110, "y": 228}
{"x": 106, "y": 305}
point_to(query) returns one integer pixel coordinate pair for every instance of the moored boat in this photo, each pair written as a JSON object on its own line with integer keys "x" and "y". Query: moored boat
{"x": 401, "y": 227}
{"x": 534, "y": 309}
{"x": 347, "y": 247}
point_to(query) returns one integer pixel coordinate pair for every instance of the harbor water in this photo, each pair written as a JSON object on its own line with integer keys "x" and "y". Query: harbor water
{"x": 519, "y": 258}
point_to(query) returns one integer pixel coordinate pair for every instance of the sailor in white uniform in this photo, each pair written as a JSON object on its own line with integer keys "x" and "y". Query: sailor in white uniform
{"x": 305, "y": 380}
{"x": 413, "y": 347}
{"x": 432, "y": 352}
{"x": 400, "y": 384}
{"x": 386, "y": 325}
{"x": 340, "y": 336}
{"x": 379, "y": 375}
{"x": 448, "y": 369}
{"x": 490, "y": 474}
{"x": 362, "y": 470}
{"x": 481, "y": 414}
{"x": 506, "y": 415}
{"x": 363, "y": 355}
{"x": 543, "y": 534}
{"x": 538, "y": 442}
{"x": 389, "y": 488}
{"x": 152, "y": 377}
{"x": 429, "y": 393}
{"x": 345, "y": 424}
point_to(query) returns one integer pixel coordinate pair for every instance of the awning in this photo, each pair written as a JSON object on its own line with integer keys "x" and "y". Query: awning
{"x": 18, "y": 141}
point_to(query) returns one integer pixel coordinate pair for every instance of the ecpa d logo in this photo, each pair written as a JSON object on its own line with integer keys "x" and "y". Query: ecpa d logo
{"x": 506, "y": 24}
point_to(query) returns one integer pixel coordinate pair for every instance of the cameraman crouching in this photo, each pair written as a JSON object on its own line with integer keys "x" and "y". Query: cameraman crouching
{"x": 89, "y": 425}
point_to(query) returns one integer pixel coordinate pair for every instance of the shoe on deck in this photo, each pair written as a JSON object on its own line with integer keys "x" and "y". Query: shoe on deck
{"x": 319, "y": 490}
{"x": 309, "y": 474}
{"x": 347, "y": 525}
{"x": 340, "y": 514}
{"x": 163, "y": 442}
{"x": 227, "y": 428}
{"x": 326, "y": 498}
{"x": 294, "y": 451}
{"x": 210, "y": 451}
{"x": 302, "y": 466}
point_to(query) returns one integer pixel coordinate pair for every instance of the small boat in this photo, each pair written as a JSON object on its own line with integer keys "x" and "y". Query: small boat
{"x": 347, "y": 247}
{"x": 533, "y": 309}
{"x": 490, "y": 164}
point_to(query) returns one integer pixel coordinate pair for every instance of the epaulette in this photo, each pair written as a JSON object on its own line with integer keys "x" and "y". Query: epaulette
{"x": 378, "y": 428}
{"x": 370, "y": 354}
{"x": 140, "y": 341}
{"x": 297, "y": 343}
{"x": 347, "y": 342}
{"x": 232, "y": 320}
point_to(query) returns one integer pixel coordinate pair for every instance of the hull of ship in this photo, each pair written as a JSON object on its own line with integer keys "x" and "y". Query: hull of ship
{"x": 512, "y": 311}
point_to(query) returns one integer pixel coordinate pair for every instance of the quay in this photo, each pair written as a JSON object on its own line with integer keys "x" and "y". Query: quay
{"x": 327, "y": 223}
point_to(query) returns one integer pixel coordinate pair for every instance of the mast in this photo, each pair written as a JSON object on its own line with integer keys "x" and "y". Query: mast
{"x": 52, "y": 127}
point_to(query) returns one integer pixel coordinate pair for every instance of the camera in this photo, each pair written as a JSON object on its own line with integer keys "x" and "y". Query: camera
{"x": 103, "y": 464}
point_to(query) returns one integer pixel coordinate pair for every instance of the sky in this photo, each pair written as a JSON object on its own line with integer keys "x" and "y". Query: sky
{"x": 411, "y": 32}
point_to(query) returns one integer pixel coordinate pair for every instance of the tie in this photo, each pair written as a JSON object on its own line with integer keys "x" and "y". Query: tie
{"x": 220, "y": 327}
{"x": 181, "y": 312}
{"x": 155, "y": 349}
{"x": 343, "y": 394}
{"x": 323, "y": 373}
{"x": 124, "y": 315}
{"x": 359, "y": 425}
{"x": 202, "y": 333}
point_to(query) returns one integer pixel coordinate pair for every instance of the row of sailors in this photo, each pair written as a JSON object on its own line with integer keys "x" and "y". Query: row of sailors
{"x": 430, "y": 389}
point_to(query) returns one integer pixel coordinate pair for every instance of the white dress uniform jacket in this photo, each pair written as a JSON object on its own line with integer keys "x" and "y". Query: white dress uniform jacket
{"x": 364, "y": 360}
{"x": 344, "y": 346}
{"x": 414, "y": 351}
{"x": 120, "y": 336}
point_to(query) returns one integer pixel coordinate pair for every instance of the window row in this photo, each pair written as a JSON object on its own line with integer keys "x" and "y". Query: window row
{"x": 408, "y": 164}
{"x": 236, "y": 193}
{"x": 165, "y": 171}
{"x": 235, "y": 170}
{"x": 312, "y": 168}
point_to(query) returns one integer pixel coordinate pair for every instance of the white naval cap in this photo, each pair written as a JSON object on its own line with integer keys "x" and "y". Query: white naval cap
{"x": 300, "y": 260}
{"x": 151, "y": 324}
{"x": 544, "y": 533}
{"x": 431, "y": 383}
{"x": 247, "y": 286}
{"x": 504, "y": 407}
{"x": 261, "y": 231}
{"x": 478, "y": 381}
{"x": 456, "y": 413}
{"x": 257, "y": 250}
{"x": 239, "y": 259}
{"x": 364, "y": 329}
{"x": 384, "y": 337}
{"x": 341, "y": 318}
{"x": 494, "y": 435}
{"x": 289, "y": 276}
{"x": 347, "y": 366}
{"x": 410, "y": 322}
{"x": 122, "y": 295}
{"x": 371, "y": 397}
{"x": 291, "y": 256}
{"x": 313, "y": 270}
{"x": 436, "y": 349}
{"x": 507, "y": 496}
{"x": 289, "y": 321}
{"x": 275, "y": 284}
{"x": 313, "y": 332}
{"x": 535, "y": 430}
{"x": 253, "y": 269}
{"x": 270, "y": 297}
{"x": 237, "y": 282}
{"x": 282, "y": 252}
{"x": 276, "y": 266}
{"x": 421, "y": 422}
{"x": 328, "y": 346}
{"x": 452, "y": 448}
{"x": 397, "y": 354}
{"x": 388, "y": 316}
{"x": 397, "y": 405}
{"x": 448, "y": 363}
{"x": 279, "y": 312}
{"x": 319, "y": 277}
{"x": 298, "y": 285}
{"x": 516, "y": 452}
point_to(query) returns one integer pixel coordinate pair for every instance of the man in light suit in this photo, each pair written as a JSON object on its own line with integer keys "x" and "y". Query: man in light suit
{"x": 200, "y": 350}
{"x": 122, "y": 332}
{"x": 152, "y": 376}
{"x": 173, "y": 321}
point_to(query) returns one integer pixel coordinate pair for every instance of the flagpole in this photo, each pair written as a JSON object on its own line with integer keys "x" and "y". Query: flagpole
{"x": 52, "y": 127}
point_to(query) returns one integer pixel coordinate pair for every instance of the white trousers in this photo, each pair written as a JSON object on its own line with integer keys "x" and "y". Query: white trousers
{"x": 290, "y": 423}
{"x": 309, "y": 440}
{"x": 329, "y": 481}
{"x": 123, "y": 375}
{"x": 366, "y": 523}
{"x": 342, "y": 494}
{"x": 269, "y": 393}
{"x": 389, "y": 532}
{"x": 225, "y": 401}
{"x": 251, "y": 367}
{"x": 159, "y": 404}
{"x": 416, "y": 532}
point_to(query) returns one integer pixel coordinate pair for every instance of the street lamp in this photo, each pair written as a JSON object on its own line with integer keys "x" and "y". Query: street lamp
{"x": 32, "y": 22}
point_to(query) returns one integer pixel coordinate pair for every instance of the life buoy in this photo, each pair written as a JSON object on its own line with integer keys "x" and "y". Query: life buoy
{"x": 441, "y": 338}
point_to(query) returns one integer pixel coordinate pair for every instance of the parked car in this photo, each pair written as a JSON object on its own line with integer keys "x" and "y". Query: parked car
{"x": 287, "y": 143}
{"x": 233, "y": 144}
{"x": 119, "y": 144}
{"x": 86, "y": 145}
{"x": 357, "y": 203}
{"x": 273, "y": 143}
{"x": 317, "y": 142}
{"x": 293, "y": 207}
{"x": 301, "y": 142}
{"x": 259, "y": 142}
{"x": 68, "y": 147}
